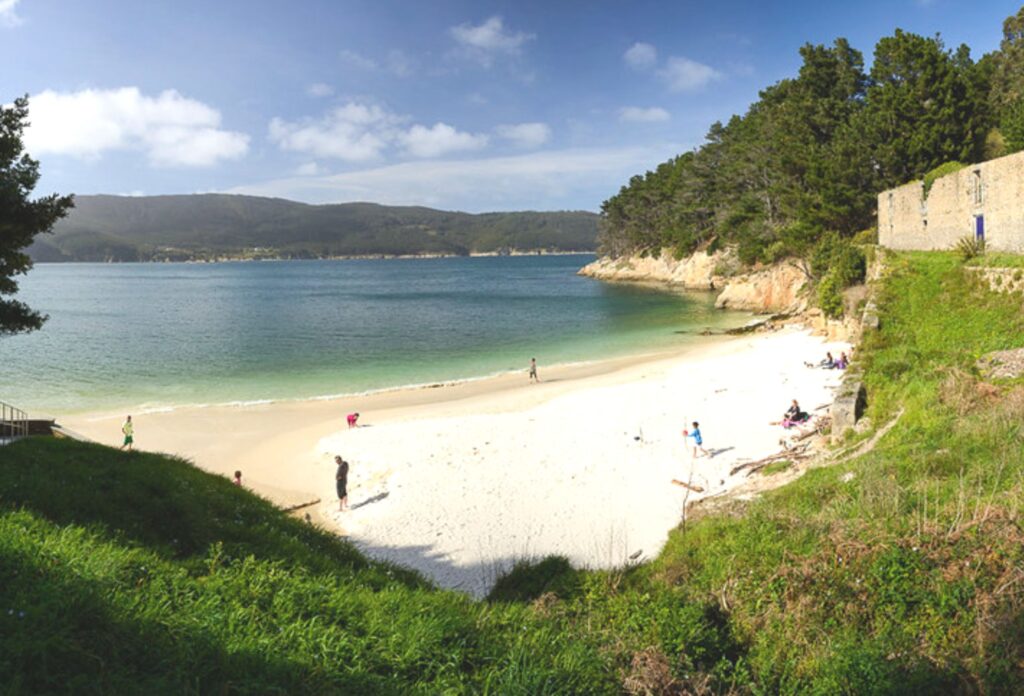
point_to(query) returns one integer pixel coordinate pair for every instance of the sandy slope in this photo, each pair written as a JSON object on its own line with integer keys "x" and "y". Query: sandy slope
{"x": 463, "y": 495}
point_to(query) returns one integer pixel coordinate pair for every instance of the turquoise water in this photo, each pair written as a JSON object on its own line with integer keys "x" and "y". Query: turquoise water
{"x": 160, "y": 335}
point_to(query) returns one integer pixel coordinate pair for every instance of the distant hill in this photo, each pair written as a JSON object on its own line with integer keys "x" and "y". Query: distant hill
{"x": 208, "y": 226}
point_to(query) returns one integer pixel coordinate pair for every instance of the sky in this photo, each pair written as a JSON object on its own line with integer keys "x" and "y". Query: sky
{"x": 460, "y": 105}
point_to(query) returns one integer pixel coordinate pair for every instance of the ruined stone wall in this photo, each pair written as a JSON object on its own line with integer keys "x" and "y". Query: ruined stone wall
{"x": 994, "y": 190}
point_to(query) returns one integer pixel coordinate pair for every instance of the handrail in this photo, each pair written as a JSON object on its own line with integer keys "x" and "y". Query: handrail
{"x": 13, "y": 421}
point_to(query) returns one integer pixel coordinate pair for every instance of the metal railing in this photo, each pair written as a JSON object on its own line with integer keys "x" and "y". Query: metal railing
{"x": 13, "y": 422}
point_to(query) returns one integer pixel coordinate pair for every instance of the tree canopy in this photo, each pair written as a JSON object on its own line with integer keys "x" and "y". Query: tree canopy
{"x": 810, "y": 155}
{"x": 21, "y": 218}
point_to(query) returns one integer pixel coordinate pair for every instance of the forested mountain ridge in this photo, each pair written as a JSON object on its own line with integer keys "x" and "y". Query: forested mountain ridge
{"x": 206, "y": 226}
{"x": 807, "y": 159}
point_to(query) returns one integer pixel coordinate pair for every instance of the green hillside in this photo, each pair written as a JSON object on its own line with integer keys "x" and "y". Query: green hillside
{"x": 897, "y": 571}
{"x": 118, "y": 228}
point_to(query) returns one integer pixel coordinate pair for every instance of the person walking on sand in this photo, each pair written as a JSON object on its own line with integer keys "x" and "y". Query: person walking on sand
{"x": 341, "y": 481}
{"x": 698, "y": 440}
{"x": 352, "y": 418}
{"x": 129, "y": 434}
{"x": 533, "y": 370}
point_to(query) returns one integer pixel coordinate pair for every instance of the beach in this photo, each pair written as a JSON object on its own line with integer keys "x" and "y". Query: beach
{"x": 460, "y": 481}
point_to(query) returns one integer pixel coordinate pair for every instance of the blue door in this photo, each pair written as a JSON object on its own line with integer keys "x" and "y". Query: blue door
{"x": 979, "y": 227}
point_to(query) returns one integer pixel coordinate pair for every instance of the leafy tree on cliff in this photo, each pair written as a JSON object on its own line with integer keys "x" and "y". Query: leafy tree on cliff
{"x": 923, "y": 107}
{"x": 21, "y": 218}
{"x": 1008, "y": 65}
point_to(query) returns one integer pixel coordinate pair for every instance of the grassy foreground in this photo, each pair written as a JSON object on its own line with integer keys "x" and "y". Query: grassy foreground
{"x": 901, "y": 571}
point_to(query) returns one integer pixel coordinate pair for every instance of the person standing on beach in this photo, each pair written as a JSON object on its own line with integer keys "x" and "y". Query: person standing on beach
{"x": 698, "y": 440}
{"x": 352, "y": 418}
{"x": 341, "y": 481}
{"x": 533, "y": 370}
{"x": 129, "y": 434}
{"x": 238, "y": 478}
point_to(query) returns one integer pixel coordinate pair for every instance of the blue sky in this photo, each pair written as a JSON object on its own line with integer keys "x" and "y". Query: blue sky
{"x": 460, "y": 105}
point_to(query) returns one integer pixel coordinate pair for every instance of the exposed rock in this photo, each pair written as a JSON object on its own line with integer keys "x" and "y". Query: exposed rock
{"x": 773, "y": 290}
{"x": 700, "y": 271}
{"x": 1003, "y": 364}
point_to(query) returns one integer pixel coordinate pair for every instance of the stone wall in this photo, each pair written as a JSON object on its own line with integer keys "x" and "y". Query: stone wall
{"x": 993, "y": 189}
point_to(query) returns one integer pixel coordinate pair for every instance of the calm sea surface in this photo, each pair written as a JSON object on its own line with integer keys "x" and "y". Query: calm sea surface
{"x": 160, "y": 335}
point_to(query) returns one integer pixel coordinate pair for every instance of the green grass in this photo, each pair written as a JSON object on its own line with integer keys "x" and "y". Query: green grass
{"x": 998, "y": 259}
{"x": 140, "y": 574}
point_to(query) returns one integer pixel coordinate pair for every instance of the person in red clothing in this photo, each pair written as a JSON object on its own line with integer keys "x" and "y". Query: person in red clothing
{"x": 352, "y": 419}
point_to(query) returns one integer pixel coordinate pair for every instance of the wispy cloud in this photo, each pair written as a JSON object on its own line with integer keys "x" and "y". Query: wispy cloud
{"x": 357, "y": 60}
{"x": 535, "y": 181}
{"x": 319, "y": 89}
{"x": 525, "y": 135}
{"x": 483, "y": 42}
{"x": 641, "y": 56}
{"x": 359, "y": 132}
{"x": 8, "y": 13}
{"x": 682, "y": 74}
{"x": 636, "y": 114}
{"x": 171, "y": 129}
{"x": 397, "y": 62}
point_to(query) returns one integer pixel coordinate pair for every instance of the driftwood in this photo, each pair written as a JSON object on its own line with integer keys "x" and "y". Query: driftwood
{"x": 799, "y": 452}
{"x": 690, "y": 486}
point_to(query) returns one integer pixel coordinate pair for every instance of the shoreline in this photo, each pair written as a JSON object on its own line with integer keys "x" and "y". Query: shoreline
{"x": 256, "y": 436}
{"x": 355, "y": 257}
{"x": 459, "y": 482}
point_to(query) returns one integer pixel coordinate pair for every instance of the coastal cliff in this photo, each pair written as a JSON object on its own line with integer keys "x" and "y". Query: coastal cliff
{"x": 771, "y": 290}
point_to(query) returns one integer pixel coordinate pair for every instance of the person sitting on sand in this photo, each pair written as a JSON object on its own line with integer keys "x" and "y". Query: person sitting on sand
{"x": 698, "y": 440}
{"x": 843, "y": 362}
{"x": 129, "y": 434}
{"x": 238, "y": 478}
{"x": 341, "y": 482}
{"x": 352, "y": 419}
{"x": 794, "y": 415}
{"x": 533, "y": 370}
{"x": 827, "y": 364}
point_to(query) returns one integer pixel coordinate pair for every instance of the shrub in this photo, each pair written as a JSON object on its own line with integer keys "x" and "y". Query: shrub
{"x": 868, "y": 236}
{"x": 969, "y": 247}
{"x": 939, "y": 172}
{"x": 830, "y": 296}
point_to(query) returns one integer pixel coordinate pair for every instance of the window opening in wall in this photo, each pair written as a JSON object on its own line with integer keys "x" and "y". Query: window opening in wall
{"x": 978, "y": 190}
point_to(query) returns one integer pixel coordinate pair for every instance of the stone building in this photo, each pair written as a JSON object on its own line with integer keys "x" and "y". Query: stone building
{"x": 983, "y": 201}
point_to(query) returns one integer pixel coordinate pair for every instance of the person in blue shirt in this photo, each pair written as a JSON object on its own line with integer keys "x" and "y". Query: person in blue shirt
{"x": 698, "y": 441}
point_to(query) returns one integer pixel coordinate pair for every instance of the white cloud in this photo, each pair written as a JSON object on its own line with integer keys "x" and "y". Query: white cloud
{"x": 171, "y": 129}
{"x": 8, "y": 14}
{"x": 525, "y": 134}
{"x": 640, "y": 56}
{"x": 682, "y": 74}
{"x": 439, "y": 139}
{"x": 359, "y": 132}
{"x": 319, "y": 89}
{"x": 482, "y": 42}
{"x": 356, "y": 60}
{"x": 309, "y": 169}
{"x": 353, "y": 132}
{"x": 544, "y": 180}
{"x": 636, "y": 114}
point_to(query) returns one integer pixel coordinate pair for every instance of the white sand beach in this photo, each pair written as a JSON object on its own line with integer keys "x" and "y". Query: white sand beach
{"x": 459, "y": 482}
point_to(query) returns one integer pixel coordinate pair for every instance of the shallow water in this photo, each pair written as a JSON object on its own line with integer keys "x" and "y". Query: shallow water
{"x": 163, "y": 335}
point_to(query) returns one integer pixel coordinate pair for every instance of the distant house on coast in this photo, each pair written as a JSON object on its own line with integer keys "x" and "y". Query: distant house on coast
{"x": 984, "y": 201}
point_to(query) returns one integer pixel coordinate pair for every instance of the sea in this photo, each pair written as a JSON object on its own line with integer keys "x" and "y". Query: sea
{"x": 157, "y": 336}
